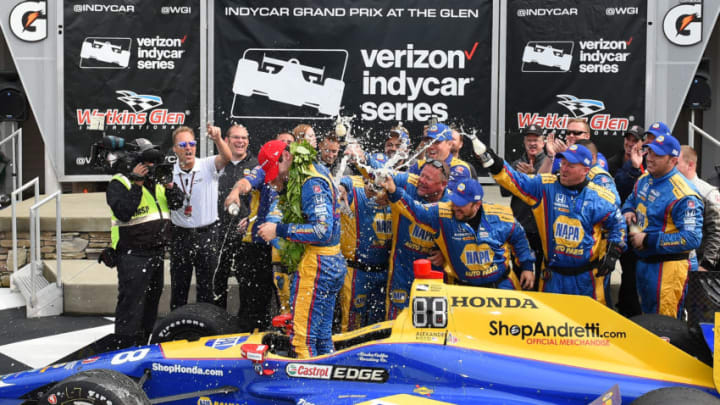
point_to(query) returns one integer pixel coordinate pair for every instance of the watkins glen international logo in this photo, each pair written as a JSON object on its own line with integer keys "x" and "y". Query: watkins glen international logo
{"x": 143, "y": 111}
{"x": 578, "y": 108}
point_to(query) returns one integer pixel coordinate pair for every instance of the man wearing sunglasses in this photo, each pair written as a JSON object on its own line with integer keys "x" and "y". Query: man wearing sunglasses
{"x": 570, "y": 213}
{"x": 439, "y": 137}
{"x": 194, "y": 224}
{"x": 474, "y": 237}
{"x": 577, "y": 128}
{"x": 412, "y": 241}
{"x": 665, "y": 216}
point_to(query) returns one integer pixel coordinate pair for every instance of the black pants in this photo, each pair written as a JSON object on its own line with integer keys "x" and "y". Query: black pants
{"x": 140, "y": 284}
{"x": 251, "y": 265}
{"x": 536, "y": 246}
{"x": 628, "y": 301}
{"x": 192, "y": 249}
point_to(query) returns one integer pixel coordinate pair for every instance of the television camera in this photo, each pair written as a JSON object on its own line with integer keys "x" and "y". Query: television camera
{"x": 113, "y": 155}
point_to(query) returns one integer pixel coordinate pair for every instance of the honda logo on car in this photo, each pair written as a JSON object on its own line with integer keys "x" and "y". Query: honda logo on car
{"x": 343, "y": 373}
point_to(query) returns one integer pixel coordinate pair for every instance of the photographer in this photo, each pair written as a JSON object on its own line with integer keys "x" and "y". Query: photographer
{"x": 140, "y": 220}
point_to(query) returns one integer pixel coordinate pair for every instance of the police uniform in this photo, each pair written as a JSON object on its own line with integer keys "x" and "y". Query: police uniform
{"x": 194, "y": 243}
{"x": 669, "y": 210}
{"x": 140, "y": 220}
{"x": 365, "y": 243}
{"x": 571, "y": 222}
{"x": 478, "y": 250}
{"x": 322, "y": 268}
{"x": 411, "y": 241}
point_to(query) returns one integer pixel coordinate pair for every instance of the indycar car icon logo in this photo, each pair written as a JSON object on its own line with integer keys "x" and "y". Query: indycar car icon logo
{"x": 106, "y": 50}
{"x": 547, "y": 55}
{"x": 290, "y": 82}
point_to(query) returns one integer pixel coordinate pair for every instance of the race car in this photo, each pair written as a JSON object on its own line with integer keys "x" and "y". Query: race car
{"x": 104, "y": 51}
{"x": 454, "y": 344}
{"x": 546, "y": 55}
{"x": 289, "y": 82}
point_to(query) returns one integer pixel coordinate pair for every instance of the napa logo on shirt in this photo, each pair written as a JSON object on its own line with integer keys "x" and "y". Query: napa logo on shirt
{"x": 477, "y": 257}
{"x": 382, "y": 225}
{"x": 568, "y": 231}
{"x": 422, "y": 236}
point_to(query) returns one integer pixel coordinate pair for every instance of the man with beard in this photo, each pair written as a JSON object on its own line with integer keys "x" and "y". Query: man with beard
{"x": 397, "y": 139}
{"x": 665, "y": 216}
{"x": 322, "y": 268}
{"x": 456, "y": 146}
{"x": 475, "y": 237}
{"x": 570, "y": 213}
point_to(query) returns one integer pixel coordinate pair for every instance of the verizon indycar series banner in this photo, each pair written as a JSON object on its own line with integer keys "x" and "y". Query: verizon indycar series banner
{"x": 131, "y": 69}
{"x": 278, "y": 64}
{"x": 568, "y": 59}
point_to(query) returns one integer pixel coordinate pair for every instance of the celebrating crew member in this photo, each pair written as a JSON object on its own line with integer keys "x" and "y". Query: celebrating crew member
{"x": 476, "y": 238}
{"x": 439, "y": 136}
{"x": 365, "y": 243}
{"x": 577, "y": 128}
{"x": 140, "y": 220}
{"x": 665, "y": 216}
{"x": 322, "y": 268}
{"x": 194, "y": 224}
{"x": 571, "y": 214}
{"x": 397, "y": 139}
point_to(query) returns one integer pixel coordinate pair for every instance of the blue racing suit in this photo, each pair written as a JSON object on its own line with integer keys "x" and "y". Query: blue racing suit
{"x": 411, "y": 241}
{"x": 602, "y": 178}
{"x": 459, "y": 169}
{"x": 670, "y": 211}
{"x": 571, "y": 222}
{"x": 365, "y": 242}
{"x": 322, "y": 268}
{"x": 475, "y": 256}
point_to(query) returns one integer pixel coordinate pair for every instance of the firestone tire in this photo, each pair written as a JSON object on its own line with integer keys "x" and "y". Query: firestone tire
{"x": 193, "y": 321}
{"x": 98, "y": 387}
{"x": 678, "y": 333}
{"x": 676, "y": 395}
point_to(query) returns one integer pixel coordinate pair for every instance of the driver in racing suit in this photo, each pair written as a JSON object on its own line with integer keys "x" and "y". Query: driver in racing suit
{"x": 572, "y": 215}
{"x": 322, "y": 268}
{"x": 474, "y": 237}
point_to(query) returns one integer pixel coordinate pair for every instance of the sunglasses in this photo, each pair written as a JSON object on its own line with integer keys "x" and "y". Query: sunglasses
{"x": 575, "y": 133}
{"x": 188, "y": 143}
{"x": 437, "y": 164}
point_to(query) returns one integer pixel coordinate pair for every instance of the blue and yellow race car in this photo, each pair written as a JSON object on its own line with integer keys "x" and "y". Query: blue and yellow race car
{"x": 454, "y": 344}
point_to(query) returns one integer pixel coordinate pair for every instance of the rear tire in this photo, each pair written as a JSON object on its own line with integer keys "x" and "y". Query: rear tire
{"x": 193, "y": 321}
{"x": 678, "y": 333}
{"x": 676, "y": 395}
{"x": 98, "y": 387}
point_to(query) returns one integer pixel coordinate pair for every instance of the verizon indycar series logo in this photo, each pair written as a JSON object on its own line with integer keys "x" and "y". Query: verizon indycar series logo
{"x": 143, "y": 111}
{"x": 578, "y": 108}
{"x": 334, "y": 372}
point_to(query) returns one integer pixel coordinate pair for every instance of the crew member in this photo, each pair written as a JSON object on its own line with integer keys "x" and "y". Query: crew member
{"x": 365, "y": 243}
{"x": 140, "y": 221}
{"x": 194, "y": 224}
{"x": 664, "y": 213}
{"x": 439, "y": 136}
{"x": 577, "y": 128}
{"x": 476, "y": 238}
{"x": 571, "y": 214}
{"x": 322, "y": 268}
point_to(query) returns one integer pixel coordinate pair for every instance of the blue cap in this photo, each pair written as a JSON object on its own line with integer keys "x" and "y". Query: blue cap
{"x": 399, "y": 132}
{"x": 658, "y": 129}
{"x": 577, "y": 154}
{"x": 664, "y": 145}
{"x": 465, "y": 191}
{"x": 439, "y": 132}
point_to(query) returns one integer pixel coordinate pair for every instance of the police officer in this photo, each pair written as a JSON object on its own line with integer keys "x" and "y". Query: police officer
{"x": 570, "y": 212}
{"x": 665, "y": 216}
{"x": 140, "y": 220}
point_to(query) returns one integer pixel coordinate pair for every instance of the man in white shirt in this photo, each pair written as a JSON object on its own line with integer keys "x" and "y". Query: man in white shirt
{"x": 194, "y": 224}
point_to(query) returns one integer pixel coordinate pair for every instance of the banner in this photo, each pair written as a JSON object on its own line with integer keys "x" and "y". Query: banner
{"x": 131, "y": 69}
{"x": 569, "y": 59}
{"x": 281, "y": 64}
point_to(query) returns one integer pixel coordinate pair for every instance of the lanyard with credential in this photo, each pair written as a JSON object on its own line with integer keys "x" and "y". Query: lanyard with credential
{"x": 188, "y": 206}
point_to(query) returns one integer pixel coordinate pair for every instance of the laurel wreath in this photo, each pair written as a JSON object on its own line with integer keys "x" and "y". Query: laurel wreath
{"x": 290, "y": 202}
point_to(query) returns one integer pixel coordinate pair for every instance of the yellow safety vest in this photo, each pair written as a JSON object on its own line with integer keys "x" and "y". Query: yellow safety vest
{"x": 147, "y": 211}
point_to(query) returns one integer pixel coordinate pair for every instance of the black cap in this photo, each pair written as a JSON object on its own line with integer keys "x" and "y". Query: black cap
{"x": 533, "y": 129}
{"x": 636, "y": 131}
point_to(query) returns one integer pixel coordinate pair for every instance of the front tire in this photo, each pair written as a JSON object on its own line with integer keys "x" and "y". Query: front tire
{"x": 193, "y": 321}
{"x": 676, "y": 395}
{"x": 96, "y": 387}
